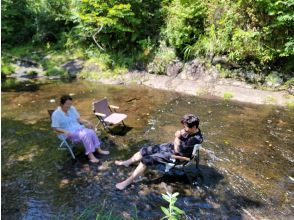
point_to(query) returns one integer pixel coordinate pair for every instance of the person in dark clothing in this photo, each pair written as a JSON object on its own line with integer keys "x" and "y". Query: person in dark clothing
{"x": 181, "y": 149}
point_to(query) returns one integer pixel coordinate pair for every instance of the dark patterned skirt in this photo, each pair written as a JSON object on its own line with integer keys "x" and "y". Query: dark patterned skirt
{"x": 157, "y": 154}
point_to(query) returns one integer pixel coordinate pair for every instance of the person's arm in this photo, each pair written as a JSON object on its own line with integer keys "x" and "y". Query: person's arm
{"x": 177, "y": 141}
{"x": 62, "y": 131}
{"x": 86, "y": 123}
{"x": 80, "y": 120}
{"x": 180, "y": 157}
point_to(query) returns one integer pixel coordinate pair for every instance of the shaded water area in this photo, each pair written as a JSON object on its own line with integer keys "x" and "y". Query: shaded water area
{"x": 246, "y": 173}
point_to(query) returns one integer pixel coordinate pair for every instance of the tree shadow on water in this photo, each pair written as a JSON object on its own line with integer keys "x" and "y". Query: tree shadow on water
{"x": 204, "y": 176}
{"x": 204, "y": 193}
{"x": 12, "y": 84}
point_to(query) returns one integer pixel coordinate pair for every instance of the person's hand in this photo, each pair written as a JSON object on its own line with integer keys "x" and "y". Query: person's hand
{"x": 178, "y": 134}
{"x": 89, "y": 125}
{"x": 184, "y": 133}
{"x": 67, "y": 133}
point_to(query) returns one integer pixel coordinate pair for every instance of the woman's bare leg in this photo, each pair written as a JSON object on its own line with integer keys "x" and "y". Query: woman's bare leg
{"x": 137, "y": 172}
{"x": 103, "y": 152}
{"x": 92, "y": 158}
{"x": 135, "y": 158}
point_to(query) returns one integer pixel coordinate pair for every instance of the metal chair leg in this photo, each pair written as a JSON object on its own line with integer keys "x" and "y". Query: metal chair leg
{"x": 64, "y": 142}
{"x": 197, "y": 160}
{"x": 70, "y": 150}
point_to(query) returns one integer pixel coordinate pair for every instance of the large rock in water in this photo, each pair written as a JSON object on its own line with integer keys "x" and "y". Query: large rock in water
{"x": 73, "y": 67}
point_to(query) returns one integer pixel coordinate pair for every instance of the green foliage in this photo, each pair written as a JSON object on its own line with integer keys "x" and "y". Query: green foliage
{"x": 115, "y": 21}
{"x": 251, "y": 31}
{"x": 55, "y": 71}
{"x": 162, "y": 58}
{"x": 257, "y": 30}
{"x": 94, "y": 212}
{"x": 172, "y": 212}
{"x": 228, "y": 95}
{"x": 184, "y": 23}
{"x": 28, "y": 20}
{"x": 17, "y": 22}
{"x": 290, "y": 104}
{"x": 101, "y": 212}
{"x": 6, "y": 67}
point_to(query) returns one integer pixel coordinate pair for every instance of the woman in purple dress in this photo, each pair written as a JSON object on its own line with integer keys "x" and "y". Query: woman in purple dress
{"x": 66, "y": 121}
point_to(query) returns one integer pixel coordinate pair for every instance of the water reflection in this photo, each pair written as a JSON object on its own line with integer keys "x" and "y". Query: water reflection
{"x": 251, "y": 174}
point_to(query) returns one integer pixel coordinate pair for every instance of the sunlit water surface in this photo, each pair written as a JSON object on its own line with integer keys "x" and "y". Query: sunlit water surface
{"x": 247, "y": 171}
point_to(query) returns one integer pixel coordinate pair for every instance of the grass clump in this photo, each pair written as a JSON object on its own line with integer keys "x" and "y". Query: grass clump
{"x": 228, "y": 96}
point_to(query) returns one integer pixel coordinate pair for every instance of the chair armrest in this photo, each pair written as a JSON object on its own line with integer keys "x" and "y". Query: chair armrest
{"x": 100, "y": 114}
{"x": 181, "y": 158}
{"x": 58, "y": 132}
{"x": 113, "y": 106}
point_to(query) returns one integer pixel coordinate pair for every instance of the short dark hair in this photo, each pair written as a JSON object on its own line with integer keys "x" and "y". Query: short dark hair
{"x": 64, "y": 98}
{"x": 190, "y": 120}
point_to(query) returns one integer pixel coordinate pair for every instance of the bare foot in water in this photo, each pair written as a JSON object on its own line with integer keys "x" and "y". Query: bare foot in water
{"x": 102, "y": 152}
{"x": 122, "y": 185}
{"x": 121, "y": 163}
{"x": 94, "y": 160}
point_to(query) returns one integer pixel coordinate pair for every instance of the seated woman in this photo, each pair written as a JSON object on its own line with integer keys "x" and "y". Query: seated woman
{"x": 182, "y": 148}
{"x": 66, "y": 120}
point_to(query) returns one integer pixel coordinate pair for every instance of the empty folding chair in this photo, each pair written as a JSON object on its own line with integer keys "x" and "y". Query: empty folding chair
{"x": 106, "y": 113}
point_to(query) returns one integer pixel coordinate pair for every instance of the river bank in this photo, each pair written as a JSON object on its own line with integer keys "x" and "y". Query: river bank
{"x": 206, "y": 85}
{"x": 192, "y": 78}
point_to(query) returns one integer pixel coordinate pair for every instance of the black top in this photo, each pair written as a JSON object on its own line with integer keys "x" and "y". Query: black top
{"x": 188, "y": 142}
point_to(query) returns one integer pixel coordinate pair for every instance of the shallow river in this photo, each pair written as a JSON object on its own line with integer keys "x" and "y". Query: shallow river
{"x": 246, "y": 171}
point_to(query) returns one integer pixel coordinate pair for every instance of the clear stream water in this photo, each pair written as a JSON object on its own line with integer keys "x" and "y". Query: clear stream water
{"x": 246, "y": 173}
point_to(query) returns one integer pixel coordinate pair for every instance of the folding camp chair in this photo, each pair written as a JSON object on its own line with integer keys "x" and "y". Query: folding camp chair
{"x": 64, "y": 143}
{"x": 181, "y": 164}
{"x": 106, "y": 114}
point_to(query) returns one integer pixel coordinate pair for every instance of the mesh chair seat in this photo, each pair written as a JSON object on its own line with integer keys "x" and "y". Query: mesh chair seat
{"x": 115, "y": 118}
{"x": 106, "y": 113}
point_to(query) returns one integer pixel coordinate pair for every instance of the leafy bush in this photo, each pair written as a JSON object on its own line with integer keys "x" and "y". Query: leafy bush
{"x": 55, "y": 71}
{"x": 6, "y": 67}
{"x": 184, "y": 23}
{"x": 260, "y": 30}
{"x": 38, "y": 21}
{"x": 162, "y": 58}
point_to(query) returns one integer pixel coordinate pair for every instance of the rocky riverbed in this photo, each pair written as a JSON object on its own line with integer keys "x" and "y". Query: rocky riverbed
{"x": 191, "y": 78}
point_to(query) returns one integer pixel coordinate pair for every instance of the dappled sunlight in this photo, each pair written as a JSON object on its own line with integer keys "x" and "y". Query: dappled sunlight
{"x": 28, "y": 156}
{"x": 247, "y": 150}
